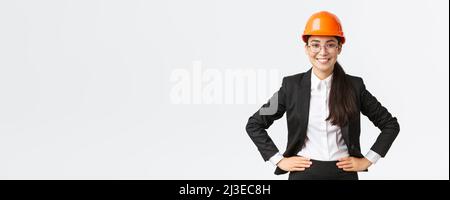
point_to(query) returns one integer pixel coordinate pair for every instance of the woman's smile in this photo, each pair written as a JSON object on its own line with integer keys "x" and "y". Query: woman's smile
{"x": 323, "y": 60}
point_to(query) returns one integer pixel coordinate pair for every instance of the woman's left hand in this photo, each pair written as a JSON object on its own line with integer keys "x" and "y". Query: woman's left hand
{"x": 353, "y": 164}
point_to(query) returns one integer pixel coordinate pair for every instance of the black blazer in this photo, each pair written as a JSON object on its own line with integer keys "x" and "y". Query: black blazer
{"x": 294, "y": 97}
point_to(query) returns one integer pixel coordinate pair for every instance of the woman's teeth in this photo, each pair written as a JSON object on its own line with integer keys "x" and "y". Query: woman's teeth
{"x": 322, "y": 60}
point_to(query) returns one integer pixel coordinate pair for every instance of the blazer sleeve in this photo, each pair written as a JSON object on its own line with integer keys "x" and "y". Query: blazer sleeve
{"x": 382, "y": 119}
{"x": 263, "y": 119}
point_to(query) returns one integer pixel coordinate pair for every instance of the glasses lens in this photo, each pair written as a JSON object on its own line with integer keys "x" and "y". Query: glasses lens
{"x": 329, "y": 47}
{"x": 315, "y": 48}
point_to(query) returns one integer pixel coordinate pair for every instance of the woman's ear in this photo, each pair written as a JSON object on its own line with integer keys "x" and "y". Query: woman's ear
{"x": 340, "y": 49}
{"x": 306, "y": 49}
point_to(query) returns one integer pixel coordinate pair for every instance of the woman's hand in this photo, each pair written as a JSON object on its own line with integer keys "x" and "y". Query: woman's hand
{"x": 294, "y": 163}
{"x": 353, "y": 164}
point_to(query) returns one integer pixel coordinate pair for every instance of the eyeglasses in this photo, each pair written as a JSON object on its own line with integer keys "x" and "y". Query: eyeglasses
{"x": 316, "y": 47}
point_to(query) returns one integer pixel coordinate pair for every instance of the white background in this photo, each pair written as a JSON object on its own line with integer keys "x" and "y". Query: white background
{"x": 84, "y": 85}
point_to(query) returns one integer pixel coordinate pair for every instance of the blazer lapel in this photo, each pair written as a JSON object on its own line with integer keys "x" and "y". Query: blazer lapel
{"x": 304, "y": 96}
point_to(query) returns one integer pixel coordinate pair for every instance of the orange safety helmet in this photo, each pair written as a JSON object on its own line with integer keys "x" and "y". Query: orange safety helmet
{"x": 323, "y": 23}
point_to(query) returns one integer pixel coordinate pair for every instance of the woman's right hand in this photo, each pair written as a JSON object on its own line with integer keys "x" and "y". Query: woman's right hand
{"x": 294, "y": 163}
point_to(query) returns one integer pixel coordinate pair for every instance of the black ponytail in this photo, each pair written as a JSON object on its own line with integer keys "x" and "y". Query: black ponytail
{"x": 342, "y": 100}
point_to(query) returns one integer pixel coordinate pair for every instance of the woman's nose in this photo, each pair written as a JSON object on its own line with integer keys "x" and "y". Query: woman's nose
{"x": 323, "y": 51}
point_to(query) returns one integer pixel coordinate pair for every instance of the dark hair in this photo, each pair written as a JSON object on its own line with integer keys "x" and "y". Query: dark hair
{"x": 342, "y": 100}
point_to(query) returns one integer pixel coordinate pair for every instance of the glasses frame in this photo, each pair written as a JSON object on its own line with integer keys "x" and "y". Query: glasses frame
{"x": 324, "y": 47}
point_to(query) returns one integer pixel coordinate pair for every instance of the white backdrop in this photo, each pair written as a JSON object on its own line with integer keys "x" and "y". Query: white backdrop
{"x": 89, "y": 89}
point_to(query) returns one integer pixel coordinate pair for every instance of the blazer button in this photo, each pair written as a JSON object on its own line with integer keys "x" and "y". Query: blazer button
{"x": 352, "y": 146}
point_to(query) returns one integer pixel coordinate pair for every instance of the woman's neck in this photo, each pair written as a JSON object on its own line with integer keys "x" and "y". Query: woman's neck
{"x": 322, "y": 74}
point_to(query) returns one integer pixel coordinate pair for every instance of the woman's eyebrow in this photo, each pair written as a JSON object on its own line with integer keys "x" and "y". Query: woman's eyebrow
{"x": 325, "y": 42}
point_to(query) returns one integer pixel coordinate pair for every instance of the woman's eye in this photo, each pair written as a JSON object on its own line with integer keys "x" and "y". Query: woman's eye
{"x": 331, "y": 45}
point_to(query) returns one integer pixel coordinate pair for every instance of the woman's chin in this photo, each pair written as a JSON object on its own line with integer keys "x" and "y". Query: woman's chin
{"x": 323, "y": 67}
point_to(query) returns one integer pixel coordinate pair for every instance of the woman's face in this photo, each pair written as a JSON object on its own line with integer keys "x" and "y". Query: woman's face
{"x": 322, "y": 52}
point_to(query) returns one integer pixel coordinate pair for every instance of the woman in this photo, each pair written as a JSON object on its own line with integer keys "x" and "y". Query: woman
{"x": 323, "y": 107}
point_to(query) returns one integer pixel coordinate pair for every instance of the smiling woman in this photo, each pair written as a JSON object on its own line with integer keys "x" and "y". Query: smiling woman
{"x": 323, "y": 107}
